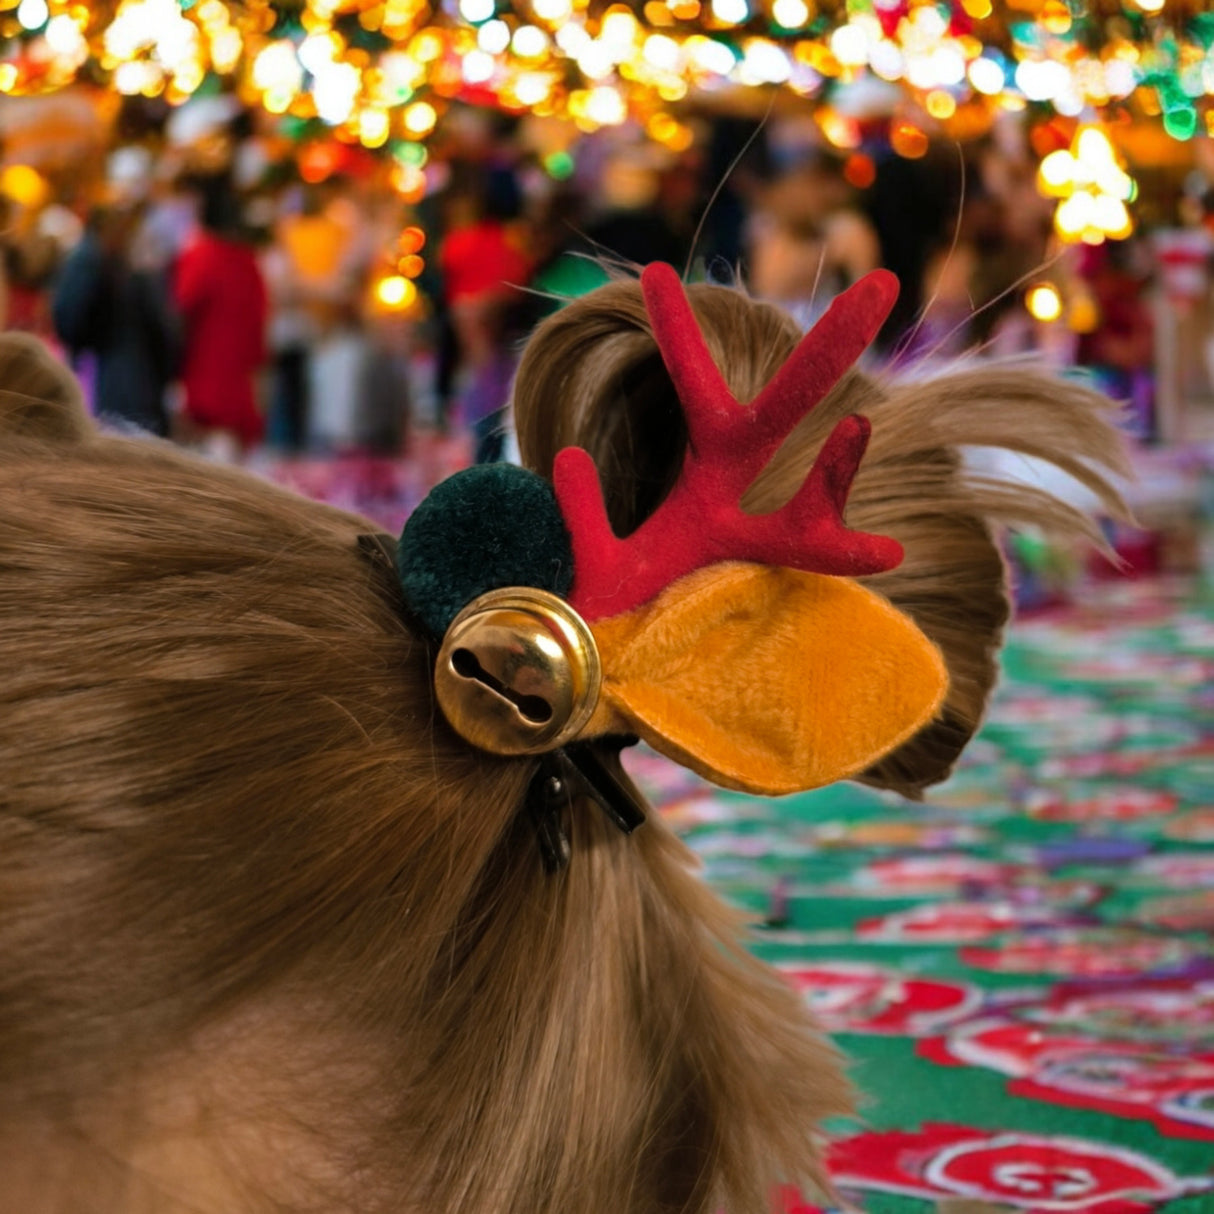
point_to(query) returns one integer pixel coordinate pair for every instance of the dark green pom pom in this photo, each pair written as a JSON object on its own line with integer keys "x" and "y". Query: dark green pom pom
{"x": 490, "y": 526}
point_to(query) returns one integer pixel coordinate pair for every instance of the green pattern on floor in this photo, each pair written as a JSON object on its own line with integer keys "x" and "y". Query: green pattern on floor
{"x": 1021, "y": 968}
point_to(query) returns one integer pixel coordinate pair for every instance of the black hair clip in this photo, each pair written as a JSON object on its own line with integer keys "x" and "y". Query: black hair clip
{"x": 577, "y": 769}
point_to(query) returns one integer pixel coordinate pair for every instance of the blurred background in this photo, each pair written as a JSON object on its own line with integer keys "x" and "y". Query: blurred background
{"x": 386, "y": 195}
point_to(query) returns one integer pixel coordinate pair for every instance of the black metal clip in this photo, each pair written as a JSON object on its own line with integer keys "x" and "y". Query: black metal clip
{"x": 578, "y": 770}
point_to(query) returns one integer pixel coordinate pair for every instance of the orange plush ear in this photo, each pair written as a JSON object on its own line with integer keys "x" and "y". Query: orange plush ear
{"x": 767, "y": 679}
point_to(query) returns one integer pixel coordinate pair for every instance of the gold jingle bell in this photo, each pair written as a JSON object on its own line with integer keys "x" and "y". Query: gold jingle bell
{"x": 518, "y": 672}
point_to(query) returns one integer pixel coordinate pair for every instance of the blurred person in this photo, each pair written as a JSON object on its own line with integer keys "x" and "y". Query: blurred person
{"x": 170, "y": 219}
{"x": 737, "y": 160}
{"x": 631, "y": 225}
{"x": 111, "y": 302}
{"x": 807, "y": 241}
{"x": 333, "y": 380}
{"x": 31, "y": 256}
{"x": 219, "y": 290}
{"x": 312, "y": 273}
{"x": 484, "y": 266}
{"x": 1119, "y": 348}
{"x": 970, "y": 283}
{"x": 912, "y": 206}
{"x": 383, "y": 405}
{"x": 565, "y": 263}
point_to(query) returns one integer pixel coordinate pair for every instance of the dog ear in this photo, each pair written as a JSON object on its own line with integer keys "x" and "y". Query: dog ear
{"x": 40, "y": 398}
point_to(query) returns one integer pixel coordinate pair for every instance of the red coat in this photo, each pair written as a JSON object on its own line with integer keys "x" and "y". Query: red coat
{"x": 221, "y": 295}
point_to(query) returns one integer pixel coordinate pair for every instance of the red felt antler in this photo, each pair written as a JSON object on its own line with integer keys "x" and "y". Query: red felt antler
{"x": 701, "y": 521}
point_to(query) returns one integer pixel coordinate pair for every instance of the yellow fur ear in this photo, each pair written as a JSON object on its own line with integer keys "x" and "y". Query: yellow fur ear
{"x": 770, "y": 680}
{"x": 39, "y": 396}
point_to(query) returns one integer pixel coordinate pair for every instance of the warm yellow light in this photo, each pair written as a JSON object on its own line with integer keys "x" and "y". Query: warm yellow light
{"x": 940, "y": 104}
{"x": 394, "y": 291}
{"x": 662, "y": 52}
{"x": 1150, "y": 6}
{"x": 420, "y": 118}
{"x": 1083, "y": 316}
{"x": 709, "y": 55}
{"x": 791, "y": 14}
{"x": 849, "y": 43}
{"x": 661, "y": 127}
{"x": 410, "y": 182}
{"x": 426, "y": 46}
{"x": 529, "y": 42}
{"x": 1111, "y": 180}
{"x": 986, "y": 76}
{"x": 1093, "y": 186}
{"x": 212, "y": 14}
{"x": 1056, "y": 174}
{"x": 1043, "y": 302}
{"x": 1055, "y": 17}
{"x": 552, "y": 10}
{"x": 843, "y": 131}
{"x": 729, "y": 12}
{"x": 317, "y": 51}
{"x": 619, "y": 31}
{"x": 1110, "y": 215}
{"x": 1092, "y": 145}
{"x": 477, "y": 67}
{"x": 277, "y": 68}
{"x": 670, "y": 133}
{"x": 373, "y": 128}
{"x": 532, "y": 87}
{"x": 135, "y": 76}
{"x": 493, "y": 37}
{"x": 63, "y": 36}
{"x": 605, "y": 106}
{"x": 189, "y": 78}
{"x": 681, "y": 140}
{"x": 24, "y": 185}
{"x": 32, "y": 14}
{"x": 1075, "y": 215}
{"x": 8, "y": 77}
{"x": 226, "y": 48}
{"x": 595, "y": 60}
{"x": 477, "y": 11}
{"x": 978, "y": 9}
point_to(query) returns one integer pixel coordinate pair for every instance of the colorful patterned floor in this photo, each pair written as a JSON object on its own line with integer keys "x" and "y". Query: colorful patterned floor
{"x": 1021, "y": 969}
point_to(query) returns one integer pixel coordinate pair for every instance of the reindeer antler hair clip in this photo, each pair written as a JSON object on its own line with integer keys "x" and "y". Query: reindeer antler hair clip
{"x": 737, "y": 644}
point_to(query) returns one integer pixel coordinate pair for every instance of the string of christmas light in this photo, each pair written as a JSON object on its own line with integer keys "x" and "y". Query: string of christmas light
{"x": 380, "y": 73}
{"x": 378, "y": 69}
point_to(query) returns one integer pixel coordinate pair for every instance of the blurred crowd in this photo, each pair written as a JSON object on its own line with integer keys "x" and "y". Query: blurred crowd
{"x": 240, "y": 313}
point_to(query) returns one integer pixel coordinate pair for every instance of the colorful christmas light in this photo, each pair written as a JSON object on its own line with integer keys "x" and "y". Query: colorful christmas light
{"x": 380, "y": 72}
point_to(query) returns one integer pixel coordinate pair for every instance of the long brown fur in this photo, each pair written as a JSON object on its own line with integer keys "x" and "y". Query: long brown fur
{"x": 266, "y": 923}
{"x": 224, "y": 788}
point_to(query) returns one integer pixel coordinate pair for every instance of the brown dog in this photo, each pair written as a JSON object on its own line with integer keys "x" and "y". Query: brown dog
{"x": 273, "y": 938}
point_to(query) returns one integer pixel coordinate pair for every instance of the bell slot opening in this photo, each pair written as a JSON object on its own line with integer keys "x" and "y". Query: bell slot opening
{"x": 534, "y": 708}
